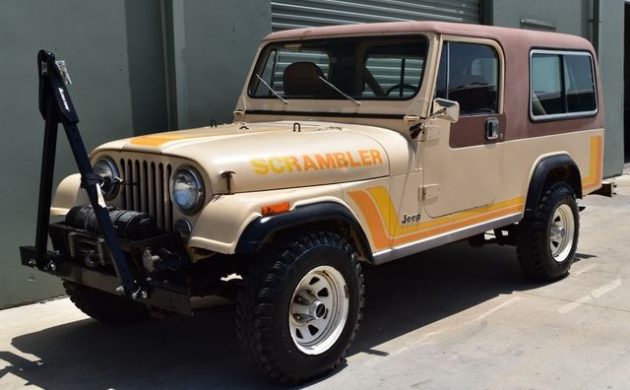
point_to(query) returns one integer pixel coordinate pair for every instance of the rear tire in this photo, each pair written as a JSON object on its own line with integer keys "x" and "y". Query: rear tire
{"x": 548, "y": 236}
{"x": 300, "y": 307}
{"x": 105, "y": 307}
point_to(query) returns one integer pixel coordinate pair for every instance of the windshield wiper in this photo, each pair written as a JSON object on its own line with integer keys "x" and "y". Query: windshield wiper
{"x": 331, "y": 85}
{"x": 276, "y": 94}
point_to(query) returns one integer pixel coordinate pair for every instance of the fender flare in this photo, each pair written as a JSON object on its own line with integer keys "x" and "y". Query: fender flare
{"x": 541, "y": 173}
{"x": 261, "y": 228}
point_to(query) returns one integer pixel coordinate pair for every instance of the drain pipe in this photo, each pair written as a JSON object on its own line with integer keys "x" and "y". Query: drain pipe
{"x": 596, "y": 24}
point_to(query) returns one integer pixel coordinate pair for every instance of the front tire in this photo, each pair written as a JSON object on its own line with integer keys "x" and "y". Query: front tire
{"x": 105, "y": 307}
{"x": 548, "y": 236}
{"x": 300, "y": 307}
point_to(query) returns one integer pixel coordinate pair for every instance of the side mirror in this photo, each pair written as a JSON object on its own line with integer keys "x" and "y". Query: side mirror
{"x": 445, "y": 109}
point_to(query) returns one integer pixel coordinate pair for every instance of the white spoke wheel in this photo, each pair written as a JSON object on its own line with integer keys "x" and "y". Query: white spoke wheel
{"x": 561, "y": 232}
{"x": 548, "y": 235}
{"x": 300, "y": 306}
{"x": 319, "y": 310}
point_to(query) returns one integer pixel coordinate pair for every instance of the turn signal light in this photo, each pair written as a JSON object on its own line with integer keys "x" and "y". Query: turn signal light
{"x": 277, "y": 208}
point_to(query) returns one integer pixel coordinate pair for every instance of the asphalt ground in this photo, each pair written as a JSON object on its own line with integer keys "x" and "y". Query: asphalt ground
{"x": 450, "y": 318}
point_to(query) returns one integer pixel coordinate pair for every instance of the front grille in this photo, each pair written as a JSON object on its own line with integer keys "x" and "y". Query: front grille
{"x": 146, "y": 189}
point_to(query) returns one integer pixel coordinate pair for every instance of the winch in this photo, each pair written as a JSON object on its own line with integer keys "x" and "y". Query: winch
{"x": 129, "y": 224}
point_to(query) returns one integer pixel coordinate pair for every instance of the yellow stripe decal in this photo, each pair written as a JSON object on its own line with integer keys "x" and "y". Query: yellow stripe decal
{"x": 386, "y": 230}
{"x": 375, "y": 225}
{"x": 594, "y": 177}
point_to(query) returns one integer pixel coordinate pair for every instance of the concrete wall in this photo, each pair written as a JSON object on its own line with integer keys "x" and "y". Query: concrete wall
{"x": 138, "y": 66}
{"x": 214, "y": 43}
{"x": 611, "y": 59}
{"x": 574, "y": 17}
{"x": 145, "y": 61}
{"x": 92, "y": 37}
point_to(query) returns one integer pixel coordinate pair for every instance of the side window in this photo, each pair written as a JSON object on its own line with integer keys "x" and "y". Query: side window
{"x": 469, "y": 74}
{"x": 547, "y": 94}
{"x": 562, "y": 84}
{"x": 580, "y": 84}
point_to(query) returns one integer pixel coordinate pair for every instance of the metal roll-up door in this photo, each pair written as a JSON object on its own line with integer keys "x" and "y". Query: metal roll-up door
{"x": 287, "y": 14}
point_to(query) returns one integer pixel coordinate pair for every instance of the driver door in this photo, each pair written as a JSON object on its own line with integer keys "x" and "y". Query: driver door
{"x": 462, "y": 160}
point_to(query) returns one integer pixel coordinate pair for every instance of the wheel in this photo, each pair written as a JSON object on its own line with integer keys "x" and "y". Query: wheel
{"x": 548, "y": 236}
{"x": 401, "y": 87}
{"x": 104, "y": 307}
{"x": 300, "y": 306}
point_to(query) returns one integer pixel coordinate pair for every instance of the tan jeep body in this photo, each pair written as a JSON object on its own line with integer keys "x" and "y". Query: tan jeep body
{"x": 287, "y": 204}
{"x": 406, "y": 194}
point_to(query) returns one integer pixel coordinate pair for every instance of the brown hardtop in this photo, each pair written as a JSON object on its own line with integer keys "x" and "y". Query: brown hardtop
{"x": 503, "y": 35}
{"x": 516, "y": 45}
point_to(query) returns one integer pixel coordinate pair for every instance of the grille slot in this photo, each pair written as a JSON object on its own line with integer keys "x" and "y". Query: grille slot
{"x": 146, "y": 189}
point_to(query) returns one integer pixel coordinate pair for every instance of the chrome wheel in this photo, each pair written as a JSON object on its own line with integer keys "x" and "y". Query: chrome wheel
{"x": 318, "y": 310}
{"x": 561, "y": 232}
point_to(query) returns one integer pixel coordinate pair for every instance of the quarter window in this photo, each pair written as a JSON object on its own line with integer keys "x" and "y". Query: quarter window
{"x": 469, "y": 74}
{"x": 562, "y": 84}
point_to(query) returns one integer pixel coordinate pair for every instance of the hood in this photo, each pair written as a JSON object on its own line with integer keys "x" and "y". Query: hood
{"x": 270, "y": 155}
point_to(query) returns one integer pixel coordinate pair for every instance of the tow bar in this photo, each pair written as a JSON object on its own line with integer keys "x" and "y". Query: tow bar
{"x": 55, "y": 106}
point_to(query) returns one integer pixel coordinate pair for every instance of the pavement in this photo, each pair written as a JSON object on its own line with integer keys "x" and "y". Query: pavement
{"x": 450, "y": 318}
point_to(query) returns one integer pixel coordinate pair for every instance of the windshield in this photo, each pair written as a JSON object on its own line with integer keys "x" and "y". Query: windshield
{"x": 359, "y": 68}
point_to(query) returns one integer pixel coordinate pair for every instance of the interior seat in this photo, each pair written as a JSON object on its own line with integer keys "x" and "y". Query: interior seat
{"x": 302, "y": 79}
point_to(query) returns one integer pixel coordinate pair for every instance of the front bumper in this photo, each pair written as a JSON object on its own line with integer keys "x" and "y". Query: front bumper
{"x": 63, "y": 263}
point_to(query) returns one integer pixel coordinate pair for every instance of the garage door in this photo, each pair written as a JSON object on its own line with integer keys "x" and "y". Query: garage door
{"x": 287, "y": 14}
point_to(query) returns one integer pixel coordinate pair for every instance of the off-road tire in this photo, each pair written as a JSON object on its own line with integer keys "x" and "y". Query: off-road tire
{"x": 262, "y": 317}
{"x": 533, "y": 246}
{"x": 104, "y": 307}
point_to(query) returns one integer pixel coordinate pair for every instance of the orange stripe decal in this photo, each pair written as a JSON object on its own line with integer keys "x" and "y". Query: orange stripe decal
{"x": 160, "y": 139}
{"x": 595, "y": 174}
{"x": 385, "y": 227}
{"x": 373, "y": 219}
{"x": 443, "y": 227}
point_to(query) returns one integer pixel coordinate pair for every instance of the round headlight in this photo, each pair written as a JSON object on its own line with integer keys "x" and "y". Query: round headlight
{"x": 106, "y": 168}
{"x": 187, "y": 190}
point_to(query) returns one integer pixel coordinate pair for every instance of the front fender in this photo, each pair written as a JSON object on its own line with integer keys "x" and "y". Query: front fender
{"x": 259, "y": 230}
{"x": 69, "y": 194}
{"x": 224, "y": 219}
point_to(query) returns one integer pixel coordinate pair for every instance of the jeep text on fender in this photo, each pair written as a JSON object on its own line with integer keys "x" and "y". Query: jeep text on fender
{"x": 351, "y": 146}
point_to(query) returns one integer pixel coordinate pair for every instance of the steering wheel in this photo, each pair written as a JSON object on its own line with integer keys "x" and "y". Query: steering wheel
{"x": 401, "y": 86}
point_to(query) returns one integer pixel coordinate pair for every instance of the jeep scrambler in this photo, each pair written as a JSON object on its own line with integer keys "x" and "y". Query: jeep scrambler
{"x": 351, "y": 146}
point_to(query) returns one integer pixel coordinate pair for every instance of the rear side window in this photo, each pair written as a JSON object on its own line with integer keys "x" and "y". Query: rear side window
{"x": 562, "y": 85}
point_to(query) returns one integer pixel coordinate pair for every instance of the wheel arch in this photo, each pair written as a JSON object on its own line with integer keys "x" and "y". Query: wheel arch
{"x": 549, "y": 170}
{"x": 327, "y": 215}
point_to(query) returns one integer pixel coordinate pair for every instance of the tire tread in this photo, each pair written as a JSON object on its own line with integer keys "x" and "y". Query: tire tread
{"x": 254, "y": 322}
{"x": 532, "y": 247}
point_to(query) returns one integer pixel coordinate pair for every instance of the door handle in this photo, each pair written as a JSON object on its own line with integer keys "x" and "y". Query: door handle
{"x": 493, "y": 130}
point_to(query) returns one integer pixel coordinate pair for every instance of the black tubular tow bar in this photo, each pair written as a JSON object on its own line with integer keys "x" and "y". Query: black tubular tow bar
{"x": 55, "y": 106}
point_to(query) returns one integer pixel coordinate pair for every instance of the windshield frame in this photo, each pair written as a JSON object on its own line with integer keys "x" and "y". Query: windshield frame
{"x": 265, "y": 53}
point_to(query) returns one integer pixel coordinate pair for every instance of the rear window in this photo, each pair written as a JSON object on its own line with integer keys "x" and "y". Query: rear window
{"x": 562, "y": 85}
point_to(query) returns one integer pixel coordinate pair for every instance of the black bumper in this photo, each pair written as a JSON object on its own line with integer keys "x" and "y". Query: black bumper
{"x": 155, "y": 293}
